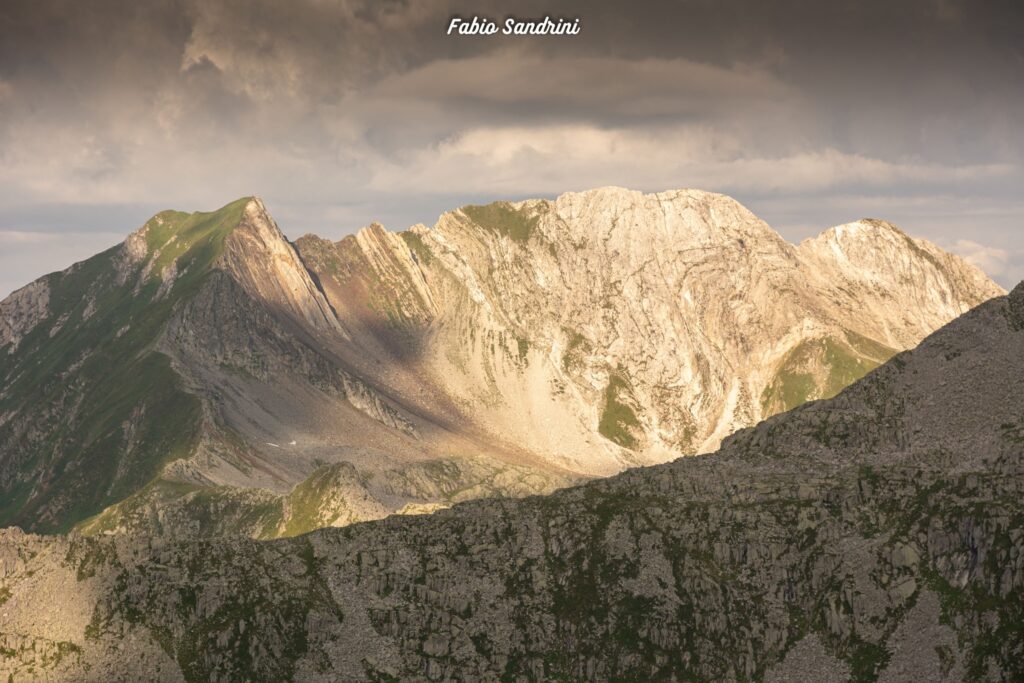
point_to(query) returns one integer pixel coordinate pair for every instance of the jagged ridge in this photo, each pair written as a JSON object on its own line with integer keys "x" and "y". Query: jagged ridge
{"x": 207, "y": 363}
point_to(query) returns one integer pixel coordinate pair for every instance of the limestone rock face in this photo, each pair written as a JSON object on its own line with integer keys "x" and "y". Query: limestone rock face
{"x": 900, "y": 287}
{"x": 259, "y": 258}
{"x": 207, "y": 364}
{"x": 610, "y": 328}
{"x": 876, "y": 535}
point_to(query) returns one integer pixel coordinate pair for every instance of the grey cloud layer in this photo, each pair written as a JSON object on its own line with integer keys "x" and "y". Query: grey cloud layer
{"x": 340, "y": 113}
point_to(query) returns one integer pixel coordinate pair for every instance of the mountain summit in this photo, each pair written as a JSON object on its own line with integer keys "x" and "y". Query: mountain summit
{"x": 207, "y": 375}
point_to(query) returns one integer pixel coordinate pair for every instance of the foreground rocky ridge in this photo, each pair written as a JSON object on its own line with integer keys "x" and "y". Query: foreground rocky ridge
{"x": 208, "y": 376}
{"x": 875, "y": 536}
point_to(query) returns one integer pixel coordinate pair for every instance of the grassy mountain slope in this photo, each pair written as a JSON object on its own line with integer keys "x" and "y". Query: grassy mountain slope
{"x": 91, "y": 412}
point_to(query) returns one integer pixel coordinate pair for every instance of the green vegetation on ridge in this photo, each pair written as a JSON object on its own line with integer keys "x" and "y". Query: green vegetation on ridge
{"x": 417, "y": 247}
{"x": 504, "y": 219}
{"x": 91, "y": 369}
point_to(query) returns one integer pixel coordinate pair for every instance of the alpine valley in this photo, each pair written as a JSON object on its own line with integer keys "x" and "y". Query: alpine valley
{"x": 209, "y": 377}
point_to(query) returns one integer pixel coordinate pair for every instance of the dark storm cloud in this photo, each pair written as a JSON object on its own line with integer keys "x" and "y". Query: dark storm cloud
{"x": 338, "y": 113}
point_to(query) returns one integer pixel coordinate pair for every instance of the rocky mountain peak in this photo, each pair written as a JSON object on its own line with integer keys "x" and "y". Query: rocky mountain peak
{"x": 872, "y": 244}
{"x": 682, "y": 217}
{"x": 588, "y": 284}
{"x": 542, "y": 340}
{"x": 883, "y": 279}
{"x": 862, "y": 228}
{"x": 258, "y": 255}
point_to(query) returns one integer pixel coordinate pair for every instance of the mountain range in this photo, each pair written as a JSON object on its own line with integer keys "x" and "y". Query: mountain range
{"x": 208, "y": 376}
{"x": 873, "y": 536}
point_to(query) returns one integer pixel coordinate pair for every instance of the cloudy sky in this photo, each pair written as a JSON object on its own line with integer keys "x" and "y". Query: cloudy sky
{"x": 341, "y": 112}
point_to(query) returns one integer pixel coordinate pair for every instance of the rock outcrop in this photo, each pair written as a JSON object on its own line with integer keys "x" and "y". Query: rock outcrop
{"x": 22, "y": 311}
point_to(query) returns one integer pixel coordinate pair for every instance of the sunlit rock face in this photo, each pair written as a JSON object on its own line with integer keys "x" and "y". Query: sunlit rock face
{"x": 208, "y": 376}
{"x": 610, "y": 328}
